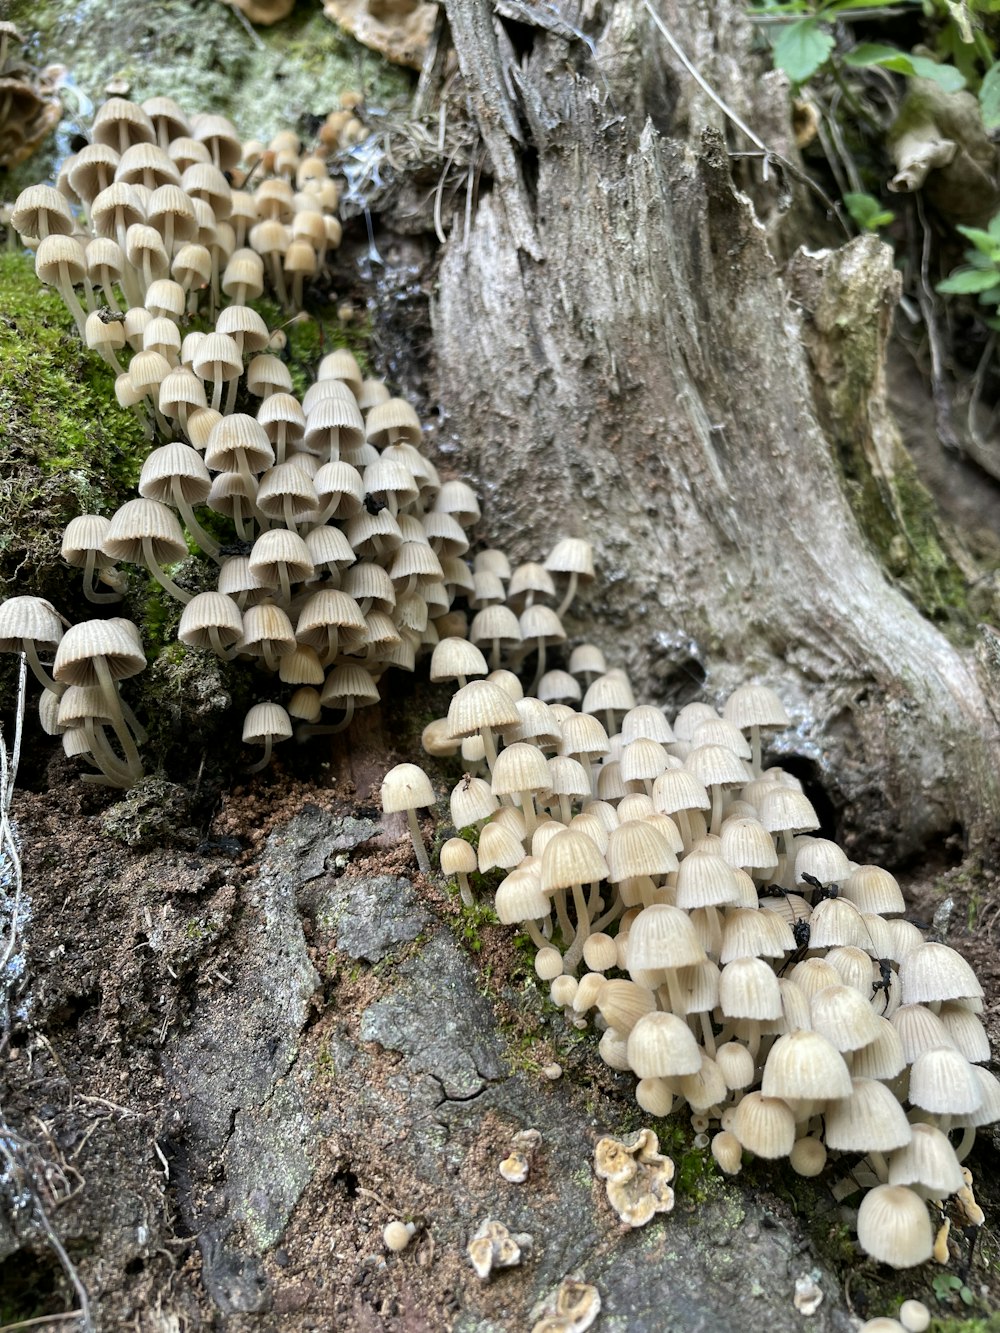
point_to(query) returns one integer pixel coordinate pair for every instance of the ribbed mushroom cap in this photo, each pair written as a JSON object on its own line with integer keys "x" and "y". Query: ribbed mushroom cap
{"x": 204, "y": 181}
{"x": 333, "y": 423}
{"x": 219, "y": 136}
{"x": 748, "y": 988}
{"x": 804, "y": 1065}
{"x": 717, "y": 731}
{"x": 873, "y": 889}
{"x": 583, "y": 736}
{"x": 519, "y": 896}
{"x": 481, "y": 703}
{"x": 572, "y": 555}
{"x": 138, "y": 521}
{"x": 499, "y": 846}
{"x": 764, "y": 1126}
{"x": 571, "y": 858}
{"x": 966, "y": 1031}
{"x": 266, "y": 628}
{"x": 646, "y": 722}
{"x": 679, "y": 789}
{"x": 41, "y": 210}
{"x": 244, "y": 271}
{"x": 288, "y": 485}
{"x": 172, "y": 462}
{"x": 365, "y": 580}
{"x": 283, "y": 409}
{"x": 927, "y": 1162}
{"x": 942, "y": 1081}
{"x": 181, "y": 388}
{"x": 567, "y": 777}
{"x": 844, "y": 1017}
{"x": 218, "y": 358}
{"x": 882, "y": 1058}
{"x": 622, "y": 1003}
{"x": 266, "y": 721}
{"x": 736, "y": 1065}
{"x": 82, "y": 703}
{"x": 822, "y": 859}
{"x": 663, "y": 937}
{"x": 520, "y": 767}
{"x": 301, "y": 666}
{"x": 636, "y": 849}
{"x": 836, "y": 922}
{"x": 697, "y": 989}
{"x": 166, "y": 116}
{"x": 92, "y": 170}
{"x": 705, "y": 880}
{"x": 784, "y": 808}
{"x": 746, "y": 843}
{"x": 406, "y": 787}
{"x": 935, "y": 972}
{"x": 345, "y": 683}
{"x": 754, "y": 706}
{"x": 919, "y": 1030}
{"x": 750, "y": 933}
{"x": 904, "y": 936}
{"x": 392, "y": 420}
{"x": 869, "y": 1120}
{"x": 854, "y": 966}
{"x": 706, "y": 1087}
{"x": 119, "y": 122}
{"x": 472, "y": 799}
{"x": 988, "y": 1111}
{"x": 894, "y": 1227}
{"x": 541, "y": 623}
{"x": 328, "y": 547}
{"x": 608, "y": 693}
{"x": 661, "y": 1046}
{"x": 57, "y": 256}
{"x": 280, "y": 547}
{"x": 116, "y": 640}
{"x": 235, "y": 577}
{"x": 31, "y": 618}
{"x": 642, "y": 760}
{"x": 207, "y": 611}
{"x": 537, "y": 723}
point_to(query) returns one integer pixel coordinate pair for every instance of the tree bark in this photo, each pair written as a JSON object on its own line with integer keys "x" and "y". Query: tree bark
{"x": 619, "y": 350}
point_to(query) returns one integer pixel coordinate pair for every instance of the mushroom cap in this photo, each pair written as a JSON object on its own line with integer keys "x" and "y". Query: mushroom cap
{"x": 679, "y": 789}
{"x": 138, "y": 522}
{"x": 706, "y": 880}
{"x": 895, "y": 1227}
{"x": 804, "y": 1065}
{"x": 927, "y": 1162}
{"x": 933, "y": 972}
{"x": 942, "y": 1081}
{"x": 869, "y": 1120}
{"x": 266, "y": 626}
{"x": 481, "y": 703}
{"x": 31, "y": 618}
{"x": 345, "y": 683}
{"x": 844, "y": 1017}
{"x": 174, "y": 462}
{"x": 406, "y": 787}
{"x": 519, "y": 768}
{"x": 663, "y": 937}
{"x": 571, "y": 555}
{"x": 748, "y": 988}
{"x": 754, "y": 706}
{"x": 58, "y": 255}
{"x": 571, "y": 858}
{"x": 38, "y": 206}
{"x": 661, "y": 1045}
{"x": 636, "y": 848}
{"x": 208, "y": 610}
{"x": 764, "y": 1125}
{"x": 871, "y": 889}
{"x": 116, "y": 640}
{"x": 784, "y": 808}
{"x": 472, "y": 800}
{"x": 266, "y": 721}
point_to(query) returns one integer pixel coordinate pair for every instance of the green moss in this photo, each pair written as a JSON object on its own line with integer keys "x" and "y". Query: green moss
{"x": 65, "y": 450}
{"x": 991, "y": 1324}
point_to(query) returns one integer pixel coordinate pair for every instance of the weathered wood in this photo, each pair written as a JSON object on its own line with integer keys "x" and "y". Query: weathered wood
{"x": 644, "y": 384}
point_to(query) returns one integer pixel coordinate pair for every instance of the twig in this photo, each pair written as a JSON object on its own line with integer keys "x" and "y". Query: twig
{"x": 925, "y": 295}
{"x": 41, "y": 1319}
{"x": 8, "y": 838}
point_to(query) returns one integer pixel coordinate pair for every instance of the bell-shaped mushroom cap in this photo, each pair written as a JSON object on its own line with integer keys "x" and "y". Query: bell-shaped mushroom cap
{"x": 119, "y": 123}
{"x": 572, "y": 555}
{"x": 736, "y": 1065}
{"x": 392, "y": 420}
{"x": 894, "y": 1227}
{"x": 805, "y": 1066}
{"x": 754, "y": 706}
{"x": 663, "y": 937}
{"x": 236, "y": 436}
{"x": 266, "y": 721}
{"x": 706, "y": 880}
{"x": 661, "y": 1046}
{"x": 305, "y": 704}
{"x": 764, "y": 1126}
{"x": 844, "y": 1017}
{"x": 679, "y": 789}
{"x": 266, "y": 628}
{"x": 40, "y": 210}
{"x": 872, "y": 889}
{"x": 715, "y": 765}
{"x": 519, "y": 896}
{"x": 869, "y": 1120}
{"x": 988, "y": 1111}
{"x": 750, "y": 933}
{"x": 406, "y": 787}
{"x": 882, "y": 1058}
{"x": 346, "y": 683}
{"x": 706, "y": 1087}
{"x": 622, "y": 1003}
{"x": 966, "y": 1031}
{"x": 571, "y": 858}
{"x": 834, "y": 923}
{"x": 927, "y": 1162}
{"x": 748, "y": 988}
{"x": 635, "y": 849}
{"x": 583, "y": 736}
{"x": 472, "y": 800}
{"x": 31, "y": 618}
{"x": 481, "y": 703}
{"x": 942, "y": 1081}
{"x": 208, "y": 611}
{"x": 520, "y": 767}
{"x": 139, "y": 522}
{"x": 499, "y": 846}
{"x": 116, "y": 640}
{"x": 854, "y": 966}
{"x": 170, "y": 462}
{"x": 933, "y": 972}
{"x": 785, "y": 808}
{"x": 278, "y": 547}
{"x": 609, "y": 693}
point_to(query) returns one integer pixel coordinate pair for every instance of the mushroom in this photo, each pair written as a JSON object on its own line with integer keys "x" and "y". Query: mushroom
{"x": 27, "y": 623}
{"x": 263, "y": 725}
{"x": 458, "y": 858}
{"x": 145, "y": 532}
{"x": 407, "y": 787}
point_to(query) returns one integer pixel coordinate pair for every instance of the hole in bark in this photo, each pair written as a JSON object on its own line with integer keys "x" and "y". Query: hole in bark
{"x": 522, "y": 36}
{"x": 808, "y": 773}
{"x": 347, "y": 1181}
{"x": 135, "y": 1266}
{"x": 30, "y": 1287}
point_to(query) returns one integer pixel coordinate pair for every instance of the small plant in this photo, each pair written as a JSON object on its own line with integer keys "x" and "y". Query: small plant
{"x": 867, "y": 212}
{"x": 980, "y": 274}
{"x": 947, "y": 1286}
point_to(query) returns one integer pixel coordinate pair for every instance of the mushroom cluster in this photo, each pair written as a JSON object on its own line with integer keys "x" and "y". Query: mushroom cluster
{"x": 732, "y": 960}
{"x": 336, "y": 547}
{"x": 29, "y": 107}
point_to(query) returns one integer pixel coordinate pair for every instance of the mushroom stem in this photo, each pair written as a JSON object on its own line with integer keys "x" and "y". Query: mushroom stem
{"x": 104, "y": 757}
{"x": 262, "y": 763}
{"x": 675, "y": 992}
{"x": 878, "y": 1164}
{"x": 575, "y": 951}
{"x": 536, "y": 935}
{"x": 201, "y": 537}
{"x": 755, "y": 750}
{"x": 419, "y": 850}
{"x": 563, "y": 606}
{"x": 39, "y": 672}
{"x": 489, "y": 746}
{"x": 463, "y": 887}
{"x": 707, "y": 1035}
{"x": 562, "y": 916}
{"x": 164, "y": 580}
{"x": 612, "y": 914}
{"x": 530, "y": 817}
{"x": 113, "y": 700}
{"x": 964, "y": 1145}
{"x": 540, "y": 670}
{"x": 69, "y": 296}
{"x": 716, "y": 807}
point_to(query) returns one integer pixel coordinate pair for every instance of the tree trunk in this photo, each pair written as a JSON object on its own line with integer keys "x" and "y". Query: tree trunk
{"x": 620, "y": 353}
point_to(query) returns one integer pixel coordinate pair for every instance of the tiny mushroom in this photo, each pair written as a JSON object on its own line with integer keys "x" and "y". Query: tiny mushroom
{"x": 458, "y": 858}
{"x": 407, "y": 787}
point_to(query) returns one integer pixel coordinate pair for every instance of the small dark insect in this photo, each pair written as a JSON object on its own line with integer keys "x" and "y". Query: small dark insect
{"x": 801, "y": 932}
{"x": 108, "y": 316}
{"x": 820, "y": 889}
{"x": 466, "y": 781}
{"x": 884, "y": 981}
{"x": 374, "y": 505}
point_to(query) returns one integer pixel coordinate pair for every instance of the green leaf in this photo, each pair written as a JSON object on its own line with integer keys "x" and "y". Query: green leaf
{"x": 801, "y": 48}
{"x": 989, "y": 97}
{"x": 969, "y": 280}
{"x": 867, "y": 211}
{"x": 984, "y": 241}
{"x": 902, "y": 62}
{"x": 991, "y": 296}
